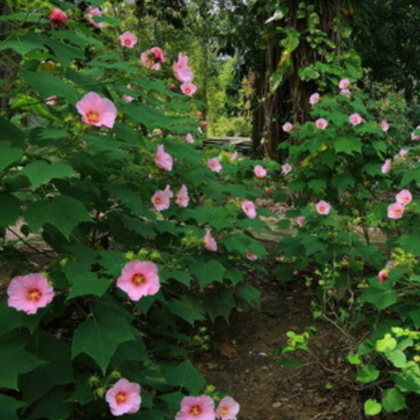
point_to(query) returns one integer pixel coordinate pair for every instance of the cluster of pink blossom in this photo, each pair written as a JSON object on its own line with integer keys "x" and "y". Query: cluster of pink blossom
{"x": 57, "y": 18}
{"x": 152, "y": 58}
{"x": 203, "y": 408}
{"x": 396, "y": 210}
{"x": 124, "y": 397}
{"x": 184, "y": 74}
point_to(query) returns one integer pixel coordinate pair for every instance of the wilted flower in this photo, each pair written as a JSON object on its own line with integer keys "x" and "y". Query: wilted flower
{"x": 209, "y": 242}
{"x": 387, "y": 166}
{"x": 181, "y": 70}
{"x": 314, "y": 98}
{"x": 163, "y": 160}
{"x": 57, "y": 18}
{"x": 182, "y": 198}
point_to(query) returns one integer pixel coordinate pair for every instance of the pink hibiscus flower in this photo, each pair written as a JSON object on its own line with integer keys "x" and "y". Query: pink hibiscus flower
{"x": 29, "y": 293}
{"x": 323, "y": 207}
{"x": 300, "y": 220}
{"x": 227, "y": 409}
{"x": 355, "y": 119}
{"x": 345, "y": 92}
{"x": 387, "y": 166}
{"x": 196, "y": 408}
{"x": 249, "y": 209}
{"x": 395, "y": 211}
{"x": 404, "y": 197}
{"x": 314, "y": 98}
{"x": 161, "y": 199}
{"x": 189, "y": 89}
{"x": 209, "y": 242}
{"x": 163, "y": 160}
{"x": 189, "y": 138}
{"x": 95, "y": 12}
{"x": 287, "y": 127}
{"x": 214, "y": 164}
{"x": 139, "y": 279}
{"x": 181, "y": 70}
{"x": 286, "y": 168}
{"x": 57, "y": 18}
{"x": 182, "y": 199}
{"x": 96, "y": 110}
{"x": 124, "y": 397}
{"x": 321, "y": 123}
{"x": 128, "y": 98}
{"x": 384, "y": 126}
{"x": 234, "y": 157}
{"x": 415, "y": 136}
{"x": 128, "y": 40}
{"x": 344, "y": 84}
{"x": 260, "y": 172}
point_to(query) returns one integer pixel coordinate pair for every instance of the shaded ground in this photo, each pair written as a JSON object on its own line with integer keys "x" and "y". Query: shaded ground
{"x": 243, "y": 363}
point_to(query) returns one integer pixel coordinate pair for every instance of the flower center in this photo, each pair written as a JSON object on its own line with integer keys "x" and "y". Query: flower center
{"x": 92, "y": 117}
{"x": 321, "y": 208}
{"x": 195, "y": 410}
{"x": 121, "y": 397}
{"x": 223, "y": 411}
{"x": 33, "y": 294}
{"x": 158, "y": 200}
{"x": 398, "y": 213}
{"x": 127, "y": 42}
{"x": 138, "y": 279}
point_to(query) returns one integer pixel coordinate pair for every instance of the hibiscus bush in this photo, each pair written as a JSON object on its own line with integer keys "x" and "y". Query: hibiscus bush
{"x": 352, "y": 177}
{"x": 138, "y": 231}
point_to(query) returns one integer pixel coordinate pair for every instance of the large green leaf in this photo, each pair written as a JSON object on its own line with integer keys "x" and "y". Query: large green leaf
{"x": 84, "y": 281}
{"x": 186, "y": 376}
{"x": 9, "y": 209}
{"x": 64, "y": 213}
{"x": 8, "y": 155}
{"x": 49, "y": 85}
{"x": 100, "y": 337}
{"x": 219, "y": 304}
{"x": 56, "y": 371}
{"x": 187, "y": 308}
{"x": 40, "y": 172}
{"x": 393, "y": 400}
{"x": 8, "y": 407}
{"x": 15, "y": 360}
{"x": 380, "y": 297}
{"x": 368, "y": 373}
{"x": 208, "y": 272}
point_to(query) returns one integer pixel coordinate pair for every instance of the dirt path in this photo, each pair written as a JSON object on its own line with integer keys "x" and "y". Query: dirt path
{"x": 243, "y": 363}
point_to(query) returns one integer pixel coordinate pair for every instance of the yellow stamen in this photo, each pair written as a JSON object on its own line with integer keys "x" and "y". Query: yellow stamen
{"x": 33, "y": 294}
{"x": 92, "y": 117}
{"x": 138, "y": 279}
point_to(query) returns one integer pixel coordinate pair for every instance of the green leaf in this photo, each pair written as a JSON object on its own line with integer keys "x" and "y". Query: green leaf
{"x": 24, "y": 44}
{"x": 397, "y": 358}
{"x": 10, "y": 319}
{"x": 219, "y": 304}
{"x": 208, "y": 272}
{"x": 100, "y": 337}
{"x": 15, "y": 360}
{"x": 83, "y": 281}
{"x": 64, "y": 213}
{"x": 49, "y": 85}
{"x": 289, "y": 363}
{"x": 52, "y": 406}
{"x": 393, "y": 400}
{"x": 56, "y": 371}
{"x": 186, "y": 376}
{"x": 9, "y": 209}
{"x": 8, "y": 155}
{"x": 380, "y": 297}
{"x": 40, "y": 172}
{"x": 187, "y": 308}
{"x": 249, "y": 294}
{"x": 8, "y": 407}
{"x": 348, "y": 145}
{"x": 372, "y": 407}
{"x": 367, "y": 373}
{"x": 64, "y": 52}
{"x": 387, "y": 343}
{"x": 181, "y": 276}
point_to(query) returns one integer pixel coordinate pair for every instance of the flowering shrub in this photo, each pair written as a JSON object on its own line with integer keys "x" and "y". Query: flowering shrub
{"x": 94, "y": 151}
{"x": 354, "y": 179}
